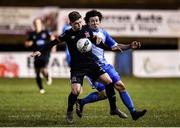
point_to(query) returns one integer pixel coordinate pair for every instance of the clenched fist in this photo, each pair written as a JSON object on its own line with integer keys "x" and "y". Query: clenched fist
{"x": 135, "y": 45}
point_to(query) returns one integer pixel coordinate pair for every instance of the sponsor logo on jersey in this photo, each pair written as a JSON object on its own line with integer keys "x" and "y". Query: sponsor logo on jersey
{"x": 72, "y": 37}
{"x": 34, "y": 37}
{"x": 43, "y": 35}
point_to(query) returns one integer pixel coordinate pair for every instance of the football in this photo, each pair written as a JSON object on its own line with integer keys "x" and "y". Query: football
{"x": 84, "y": 45}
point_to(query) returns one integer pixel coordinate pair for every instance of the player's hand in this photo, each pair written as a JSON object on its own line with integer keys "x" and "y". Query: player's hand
{"x": 98, "y": 40}
{"x": 36, "y": 53}
{"x": 117, "y": 48}
{"x": 135, "y": 45}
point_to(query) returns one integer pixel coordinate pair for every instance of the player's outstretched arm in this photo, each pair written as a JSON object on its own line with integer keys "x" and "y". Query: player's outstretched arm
{"x": 49, "y": 45}
{"x": 46, "y": 47}
{"x": 98, "y": 41}
{"x": 122, "y": 47}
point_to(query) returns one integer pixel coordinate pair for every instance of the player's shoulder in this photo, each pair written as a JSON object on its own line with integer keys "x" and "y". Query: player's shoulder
{"x": 67, "y": 32}
{"x": 46, "y": 31}
{"x": 66, "y": 27}
{"x": 103, "y": 30}
{"x": 31, "y": 32}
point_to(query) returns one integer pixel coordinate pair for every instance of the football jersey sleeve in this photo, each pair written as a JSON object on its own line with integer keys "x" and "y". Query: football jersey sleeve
{"x": 109, "y": 41}
{"x": 49, "y": 33}
{"x": 62, "y": 37}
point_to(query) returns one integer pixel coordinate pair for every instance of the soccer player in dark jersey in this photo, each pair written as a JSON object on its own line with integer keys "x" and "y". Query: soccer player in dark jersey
{"x": 82, "y": 64}
{"x": 36, "y": 40}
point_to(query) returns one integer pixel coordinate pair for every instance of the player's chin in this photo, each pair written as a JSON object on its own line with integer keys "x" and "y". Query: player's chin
{"x": 96, "y": 27}
{"x": 79, "y": 28}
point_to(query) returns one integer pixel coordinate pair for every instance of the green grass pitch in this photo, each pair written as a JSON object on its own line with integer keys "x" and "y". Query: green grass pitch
{"x": 22, "y": 105}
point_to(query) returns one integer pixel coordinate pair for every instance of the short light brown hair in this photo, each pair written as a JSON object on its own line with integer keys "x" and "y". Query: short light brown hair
{"x": 73, "y": 16}
{"x": 34, "y": 21}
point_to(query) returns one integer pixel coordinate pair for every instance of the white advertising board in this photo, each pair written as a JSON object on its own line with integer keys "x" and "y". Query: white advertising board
{"x": 20, "y": 64}
{"x": 118, "y": 22}
{"x": 19, "y": 20}
{"x": 134, "y": 23}
{"x": 156, "y": 63}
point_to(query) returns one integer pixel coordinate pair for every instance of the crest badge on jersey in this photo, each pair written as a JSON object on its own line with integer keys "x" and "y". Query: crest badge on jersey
{"x": 34, "y": 37}
{"x": 72, "y": 37}
{"x": 43, "y": 35}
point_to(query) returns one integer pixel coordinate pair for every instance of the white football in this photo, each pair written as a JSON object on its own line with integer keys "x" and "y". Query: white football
{"x": 84, "y": 45}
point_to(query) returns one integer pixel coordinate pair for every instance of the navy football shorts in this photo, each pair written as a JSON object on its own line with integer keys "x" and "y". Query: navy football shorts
{"x": 92, "y": 70}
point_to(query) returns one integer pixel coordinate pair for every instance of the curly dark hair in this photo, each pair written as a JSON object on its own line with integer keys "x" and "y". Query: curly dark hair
{"x": 92, "y": 13}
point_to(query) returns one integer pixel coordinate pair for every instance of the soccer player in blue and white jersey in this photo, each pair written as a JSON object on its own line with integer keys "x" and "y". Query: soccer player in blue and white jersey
{"x": 93, "y": 20}
{"x": 68, "y": 57}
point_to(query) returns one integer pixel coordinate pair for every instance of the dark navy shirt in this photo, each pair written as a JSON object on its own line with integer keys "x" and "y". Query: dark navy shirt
{"x": 39, "y": 40}
{"x": 78, "y": 59}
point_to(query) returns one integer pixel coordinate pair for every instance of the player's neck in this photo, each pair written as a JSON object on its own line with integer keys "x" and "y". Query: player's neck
{"x": 75, "y": 30}
{"x": 38, "y": 30}
{"x": 95, "y": 30}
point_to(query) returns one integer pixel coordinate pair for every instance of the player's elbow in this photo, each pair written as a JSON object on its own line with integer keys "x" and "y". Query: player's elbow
{"x": 27, "y": 44}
